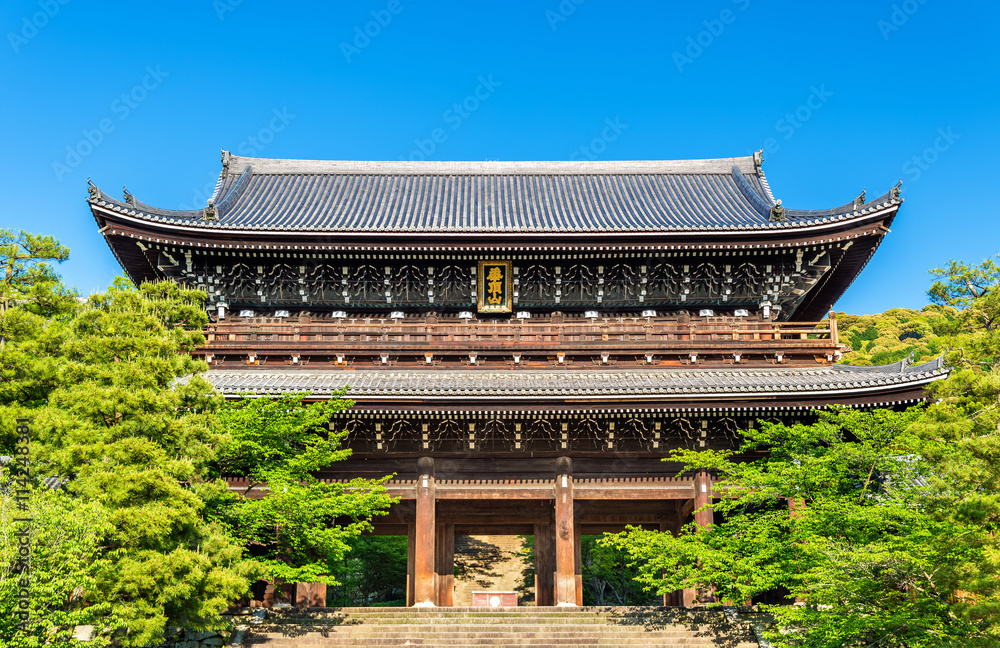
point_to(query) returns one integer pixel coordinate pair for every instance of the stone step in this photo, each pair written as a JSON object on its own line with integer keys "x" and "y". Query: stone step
{"x": 666, "y": 644}
{"x": 685, "y": 642}
{"x": 582, "y": 641}
{"x": 503, "y": 639}
{"x": 464, "y": 632}
{"x": 552, "y": 609}
{"x": 410, "y": 613}
{"x": 478, "y": 627}
{"x": 525, "y": 620}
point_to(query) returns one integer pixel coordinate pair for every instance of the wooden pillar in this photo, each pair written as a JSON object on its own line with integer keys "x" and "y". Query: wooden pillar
{"x": 703, "y": 518}
{"x": 795, "y": 506}
{"x": 424, "y": 589}
{"x": 577, "y": 563}
{"x": 703, "y": 498}
{"x": 411, "y": 537}
{"x": 310, "y": 595}
{"x": 444, "y": 563}
{"x": 565, "y": 534}
{"x": 545, "y": 563}
{"x": 303, "y": 595}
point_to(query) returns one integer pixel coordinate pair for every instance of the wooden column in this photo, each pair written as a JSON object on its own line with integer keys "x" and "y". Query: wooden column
{"x": 703, "y": 519}
{"x": 795, "y": 506}
{"x": 424, "y": 589}
{"x": 545, "y": 564}
{"x": 310, "y": 595}
{"x": 702, "y": 498}
{"x": 578, "y": 564}
{"x": 411, "y": 538}
{"x": 565, "y": 534}
{"x": 444, "y": 563}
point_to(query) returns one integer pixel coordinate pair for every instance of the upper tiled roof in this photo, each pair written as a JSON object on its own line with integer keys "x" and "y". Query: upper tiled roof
{"x": 686, "y": 383}
{"x": 256, "y": 194}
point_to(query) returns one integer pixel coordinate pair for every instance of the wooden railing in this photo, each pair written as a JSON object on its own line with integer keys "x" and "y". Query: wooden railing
{"x": 432, "y": 335}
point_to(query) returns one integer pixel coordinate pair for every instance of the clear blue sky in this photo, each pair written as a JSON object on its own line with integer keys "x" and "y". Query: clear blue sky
{"x": 849, "y": 94}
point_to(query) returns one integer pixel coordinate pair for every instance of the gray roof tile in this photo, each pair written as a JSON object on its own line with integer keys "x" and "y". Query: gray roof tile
{"x": 260, "y": 194}
{"x": 663, "y": 382}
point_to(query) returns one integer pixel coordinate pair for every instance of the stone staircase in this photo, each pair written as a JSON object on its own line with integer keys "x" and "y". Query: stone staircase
{"x": 481, "y": 627}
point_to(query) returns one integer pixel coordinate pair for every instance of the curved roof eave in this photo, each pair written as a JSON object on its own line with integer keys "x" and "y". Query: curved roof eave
{"x": 732, "y": 196}
{"x": 539, "y": 385}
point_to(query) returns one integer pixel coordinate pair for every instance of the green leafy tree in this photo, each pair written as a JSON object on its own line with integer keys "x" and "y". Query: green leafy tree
{"x": 34, "y": 304}
{"x": 373, "y": 572}
{"x": 961, "y": 432}
{"x": 303, "y": 525}
{"x": 870, "y": 563}
{"x": 113, "y": 419}
{"x": 896, "y": 334}
{"x": 67, "y": 537}
{"x": 608, "y": 576}
{"x": 903, "y": 553}
{"x": 28, "y": 279}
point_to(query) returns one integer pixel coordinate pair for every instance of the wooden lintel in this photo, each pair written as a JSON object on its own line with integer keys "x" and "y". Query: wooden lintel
{"x": 589, "y": 489}
{"x": 654, "y": 490}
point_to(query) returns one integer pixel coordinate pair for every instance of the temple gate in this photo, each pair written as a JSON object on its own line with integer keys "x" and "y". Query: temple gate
{"x": 524, "y": 340}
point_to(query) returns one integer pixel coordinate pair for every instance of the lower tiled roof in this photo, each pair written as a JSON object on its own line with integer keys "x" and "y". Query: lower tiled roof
{"x": 683, "y": 383}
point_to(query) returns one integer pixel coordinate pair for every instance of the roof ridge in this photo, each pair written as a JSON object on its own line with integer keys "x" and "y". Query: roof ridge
{"x": 269, "y": 166}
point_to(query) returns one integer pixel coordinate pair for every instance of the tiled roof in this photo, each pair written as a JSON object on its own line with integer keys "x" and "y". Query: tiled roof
{"x": 561, "y": 383}
{"x": 256, "y": 194}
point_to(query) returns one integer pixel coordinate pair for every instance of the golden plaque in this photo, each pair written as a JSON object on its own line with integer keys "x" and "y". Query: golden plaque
{"x": 493, "y": 287}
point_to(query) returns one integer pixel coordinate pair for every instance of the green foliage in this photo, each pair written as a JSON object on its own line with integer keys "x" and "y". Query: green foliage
{"x": 608, "y": 578}
{"x": 67, "y": 558}
{"x": 118, "y": 410}
{"x": 610, "y": 575}
{"x": 865, "y": 552}
{"x": 34, "y": 305}
{"x": 894, "y": 541}
{"x": 303, "y": 524}
{"x": 963, "y": 286}
{"x": 27, "y": 279}
{"x": 134, "y": 444}
{"x": 896, "y": 334}
{"x": 372, "y": 573}
{"x": 279, "y": 438}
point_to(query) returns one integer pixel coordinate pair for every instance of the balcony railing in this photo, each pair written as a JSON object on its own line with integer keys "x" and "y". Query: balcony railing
{"x": 304, "y": 335}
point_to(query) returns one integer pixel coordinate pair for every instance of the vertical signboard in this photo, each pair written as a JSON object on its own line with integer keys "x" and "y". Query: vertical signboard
{"x": 494, "y": 287}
